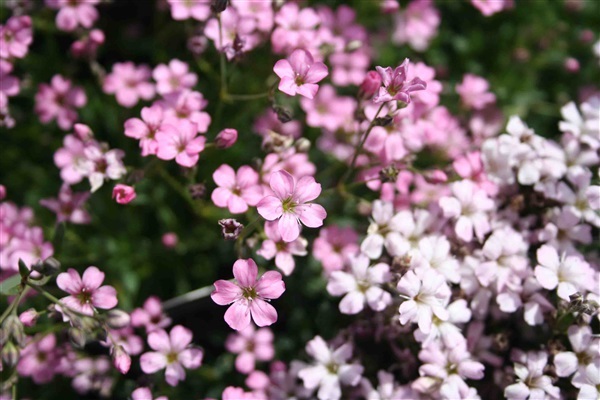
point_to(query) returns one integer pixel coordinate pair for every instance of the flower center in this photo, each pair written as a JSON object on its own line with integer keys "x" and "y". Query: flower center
{"x": 171, "y": 357}
{"x": 249, "y": 293}
{"x": 332, "y": 368}
{"x": 84, "y": 296}
{"x": 288, "y": 205}
{"x": 299, "y": 81}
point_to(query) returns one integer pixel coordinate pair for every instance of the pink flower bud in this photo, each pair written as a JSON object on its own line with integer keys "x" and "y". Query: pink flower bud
{"x": 29, "y": 317}
{"x": 389, "y": 6}
{"x": 587, "y": 36}
{"x": 121, "y": 360}
{"x": 169, "y": 240}
{"x": 571, "y": 65}
{"x": 226, "y": 138}
{"x": 123, "y": 194}
{"x": 370, "y": 85}
{"x": 83, "y": 132}
{"x": 2, "y": 192}
{"x": 436, "y": 176}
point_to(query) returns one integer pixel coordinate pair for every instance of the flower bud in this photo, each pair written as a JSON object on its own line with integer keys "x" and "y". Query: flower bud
{"x": 197, "y": 190}
{"x": 226, "y": 138}
{"x": 435, "y": 176}
{"x": 370, "y": 85}
{"x": 29, "y": 317}
{"x": 77, "y": 337}
{"x": 197, "y": 44}
{"x": 83, "y": 132}
{"x": 218, "y": 6}
{"x": 283, "y": 114}
{"x": 121, "y": 360}
{"x": 302, "y": 145}
{"x": 10, "y": 354}
{"x": 571, "y": 65}
{"x": 14, "y": 329}
{"x": 48, "y": 267}
{"x": 170, "y": 240}
{"x": 117, "y": 319}
{"x": 231, "y": 229}
{"x": 2, "y": 192}
{"x": 123, "y": 194}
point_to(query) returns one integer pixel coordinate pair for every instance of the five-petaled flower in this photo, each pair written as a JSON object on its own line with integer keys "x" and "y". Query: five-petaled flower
{"x": 85, "y": 291}
{"x": 395, "y": 86}
{"x": 300, "y": 73}
{"x": 290, "y": 204}
{"x": 249, "y": 295}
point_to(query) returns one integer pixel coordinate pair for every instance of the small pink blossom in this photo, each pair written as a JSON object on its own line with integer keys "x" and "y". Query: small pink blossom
{"x": 123, "y": 194}
{"x": 417, "y": 25}
{"x": 274, "y": 247}
{"x": 226, "y": 138}
{"x": 85, "y": 291}
{"x": 29, "y": 317}
{"x": 334, "y": 246}
{"x": 290, "y": 204}
{"x": 143, "y": 393}
{"x": 170, "y": 240}
{"x": 490, "y": 7}
{"x": 15, "y": 37}
{"x": 173, "y": 77}
{"x": 129, "y": 83}
{"x": 151, "y": 316}
{"x": 395, "y": 85}
{"x": 249, "y": 295}
{"x": 38, "y": 359}
{"x": 250, "y": 345}
{"x": 74, "y": 13}
{"x": 145, "y": 129}
{"x": 68, "y": 206}
{"x": 185, "y": 105}
{"x": 300, "y": 74}
{"x": 196, "y": 9}
{"x": 473, "y": 91}
{"x": 59, "y": 101}
{"x": 88, "y": 45}
{"x": 173, "y": 351}
{"x": 236, "y": 190}
{"x": 179, "y": 142}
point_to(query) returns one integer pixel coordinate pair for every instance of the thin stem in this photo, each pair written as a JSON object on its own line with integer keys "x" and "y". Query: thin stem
{"x": 187, "y": 297}
{"x": 12, "y": 308}
{"x": 242, "y": 97}
{"x": 359, "y": 147}
{"x": 245, "y": 232}
{"x": 178, "y": 188}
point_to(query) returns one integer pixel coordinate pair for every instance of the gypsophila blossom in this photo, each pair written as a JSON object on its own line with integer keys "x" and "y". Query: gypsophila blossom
{"x": 143, "y": 393}
{"x": 300, "y": 74}
{"x": 275, "y": 247}
{"x": 74, "y": 13}
{"x": 172, "y": 352}
{"x": 85, "y": 291}
{"x": 250, "y": 345}
{"x": 129, "y": 83}
{"x": 396, "y": 85}
{"x": 123, "y": 194}
{"x": 68, "y": 206}
{"x": 151, "y": 316}
{"x": 531, "y": 381}
{"x": 249, "y": 296}
{"x": 59, "y": 101}
{"x": 16, "y": 36}
{"x": 179, "y": 141}
{"x": 236, "y": 190}
{"x": 173, "y": 77}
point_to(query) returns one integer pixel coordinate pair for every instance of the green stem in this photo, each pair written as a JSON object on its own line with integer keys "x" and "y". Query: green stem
{"x": 243, "y": 97}
{"x": 178, "y": 188}
{"x": 12, "y": 308}
{"x": 245, "y": 232}
{"x": 222, "y": 63}
{"x": 359, "y": 148}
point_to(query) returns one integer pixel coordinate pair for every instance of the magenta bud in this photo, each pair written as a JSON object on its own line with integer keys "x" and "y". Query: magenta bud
{"x": 117, "y": 319}
{"x": 226, "y": 138}
{"x": 2, "y": 192}
{"x": 170, "y": 240}
{"x": 29, "y": 317}
{"x": 435, "y": 176}
{"x": 571, "y": 65}
{"x": 83, "y": 132}
{"x": 370, "y": 85}
{"x": 123, "y": 194}
{"x": 121, "y": 360}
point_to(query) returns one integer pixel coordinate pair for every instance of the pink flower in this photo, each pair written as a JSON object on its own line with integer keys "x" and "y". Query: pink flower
{"x": 236, "y": 190}
{"x": 59, "y": 101}
{"x": 250, "y": 345}
{"x": 179, "y": 142}
{"x": 290, "y": 204}
{"x": 249, "y": 295}
{"x": 531, "y": 381}
{"x": 38, "y": 359}
{"x": 283, "y": 252}
{"x": 86, "y": 294}
{"x": 174, "y": 77}
{"x": 395, "y": 85}
{"x": 143, "y": 393}
{"x": 473, "y": 91}
{"x": 185, "y": 105}
{"x": 129, "y": 83}
{"x": 296, "y": 28}
{"x": 334, "y": 246}
{"x": 88, "y": 45}
{"x": 234, "y": 34}
{"x": 490, "y": 7}
{"x": 9, "y": 85}
{"x": 300, "y": 74}
{"x": 197, "y": 9}
{"x": 417, "y": 25}
{"x": 68, "y": 206}
{"x": 123, "y": 194}
{"x": 151, "y": 316}
{"x": 15, "y": 37}
{"x": 226, "y": 138}
{"x": 173, "y": 352}
{"x": 145, "y": 129}
{"x": 74, "y": 13}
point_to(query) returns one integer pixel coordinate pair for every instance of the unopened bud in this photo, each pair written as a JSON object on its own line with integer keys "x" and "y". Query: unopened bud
{"x": 10, "y": 354}
{"x": 571, "y": 65}
{"x": 383, "y": 121}
{"x": 117, "y": 319}
{"x": 230, "y": 228}
{"x": 197, "y": 190}
{"x": 48, "y": 267}
{"x": 121, "y": 359}
{"x": 226, "y": 138}
{"x": 170, "y": 240}
{"x": 83, "y": 132}
{"x": 354, "y": 45}
{"x": 435, "y": 176}
{"x": 389, "y": 173}
{"x": 29, "y": 317}
{"x": 276, "y": 142}
{"x": 370, "y": 85}
{"x": 302, "y": 145}
{"x": 2, "y": 192}
{"x": 197, "y": 44}
{"x": 218, "y": 6}
{"x": 14, "y": 329}
{"x": 77, "y": 337}
{"x": 283, "y": 114}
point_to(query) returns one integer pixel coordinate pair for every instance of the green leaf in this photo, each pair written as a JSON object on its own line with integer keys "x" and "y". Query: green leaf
{"x": 10, "y": 286}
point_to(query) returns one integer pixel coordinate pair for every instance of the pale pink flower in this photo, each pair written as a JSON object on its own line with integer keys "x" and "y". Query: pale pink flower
{"x": 469, "y": 206}
{"x": 129, "y": 83}
{"x": 179, "y": 142}
{"x": 295, "y": 28}
{"x": 59, "y": 101}
{"x": 9, "y": 85}
{"x": 568, "y": 274}
{"x": 123, "y": 194}
{"x": 395, "y": 85}
{"x": 426, "y": 296}
{"x": 38, "y": 359}
{"x": 151, "y": 316}
{"x": 143, "y": 393}
{"x": 85, "y": 291}
{"x": 590, "y": 381}
{"x": 71, "y": 159}
{"x": 417, "y": 25}
{"x": 236, "y": 393}
{"x": 249, "y": 295}
{"x": 531, "y": 381}
{"x": 185, "y": 105}
{"x": 236, "y": 191}
{"x": 234, "y": 35}
{"x": 361, "y": 286}
{"x": 330, "y": 370}
{"x": 300, "y": 74}
{"x": 250, "y": 345}
{"x": 275, "y": 247}
{"x": 101, "y": 164}
{"x": 173, "y": 351}
{"x": 586, "y": 348}
{"x": 88, "y": 45}
{"x": 473, "y": 91}
{"x": 196, "y": 9}
{"x": 334, "y": 246}
{"x": 290, "y": 204}
{"x": 174, "y": 77}
{"x": 68, "y": 206}
{"x": 490, "y": 7}
{"x": 74, "y": 13}
{"x": 145, "y": 129}
{"x": 15, "y": 37}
